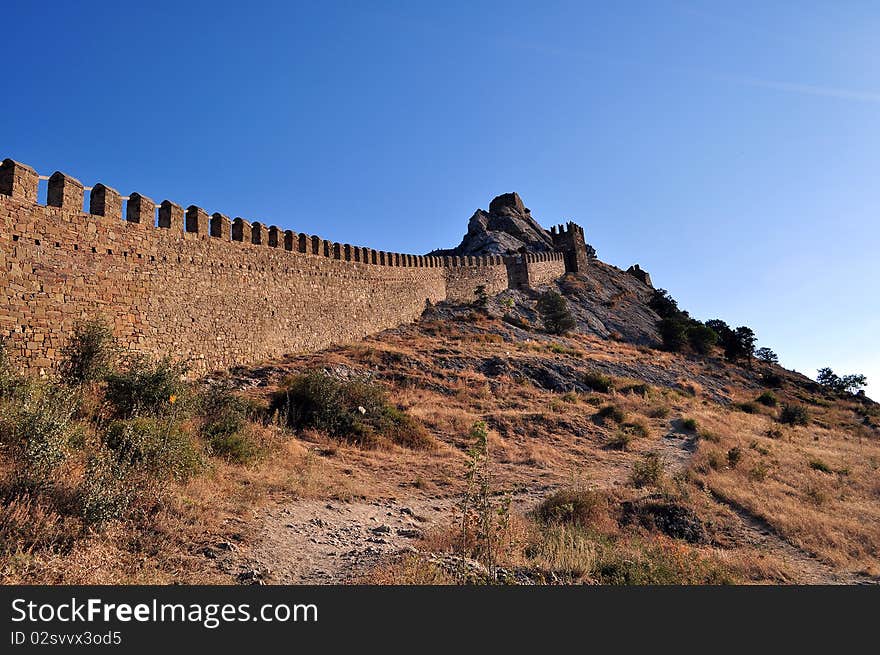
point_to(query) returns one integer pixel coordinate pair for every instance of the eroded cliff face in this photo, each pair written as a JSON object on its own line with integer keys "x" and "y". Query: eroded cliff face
{"x": 508, "y": 227}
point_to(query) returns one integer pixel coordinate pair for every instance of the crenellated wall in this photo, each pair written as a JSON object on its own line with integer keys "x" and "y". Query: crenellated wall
{"x": 200, "y": 286}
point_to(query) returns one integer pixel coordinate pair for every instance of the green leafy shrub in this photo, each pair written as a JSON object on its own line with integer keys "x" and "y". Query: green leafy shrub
{"x": 819, "y": 465}
{"x": 748, "y": 407}
{"x": 353, "y": 410}
{"x": 701, "y": 338}
{"x": 108, "y": 489}
{"x": 226, "y": 426}
{"x": 555, "y": 314}
{"x": 794, "y": 415}
{"x": 768, "y": 399}
{"x": 89, "y": 354}
{"x": 583, "y": 507}
{"x": 35, "y": 426}
{"x": 689, "y": 424}
{"x": 598, "y": 382}
{"x": 145, "y": 386}
{"x": 610, "y": 413}
{"x": 734, "y": 455}
{"x": 156, "y": 446}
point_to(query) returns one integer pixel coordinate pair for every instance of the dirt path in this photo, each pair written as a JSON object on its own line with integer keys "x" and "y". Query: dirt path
{"x": 806, "y": 567}
{"x": 321, "y": 542}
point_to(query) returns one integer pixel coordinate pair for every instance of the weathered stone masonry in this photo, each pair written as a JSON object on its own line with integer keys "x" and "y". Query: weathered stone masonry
{"x": 216, "y": 291}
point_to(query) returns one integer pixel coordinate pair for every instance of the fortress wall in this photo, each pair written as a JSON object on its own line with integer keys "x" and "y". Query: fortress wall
{"x": 544, "y": 268}
{"x": 188, "y": 295}
{"x": 216, "y": 291}
{"x": 465, "y": 274}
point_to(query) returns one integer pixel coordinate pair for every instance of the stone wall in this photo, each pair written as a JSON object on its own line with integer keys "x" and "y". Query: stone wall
{"x": 215, "y": 291}
{"x": 543, "y": 268}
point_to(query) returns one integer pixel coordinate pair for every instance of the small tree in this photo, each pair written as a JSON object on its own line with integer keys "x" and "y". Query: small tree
{"x": 673, "y": 332}
{"x": 841, "y": 384}
{"x": 701, "y": 338}
{"x": 766, "y": 355}
{"x": 481, "y": 297}
{"x": 89, "y": 354}
{"x": 663, "y": 304}
{"x": 740, "y": 344}
{"x": 554, "y": 313}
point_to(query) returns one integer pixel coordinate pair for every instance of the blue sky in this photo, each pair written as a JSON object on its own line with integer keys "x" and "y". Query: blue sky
{"x": 731, "y": 148}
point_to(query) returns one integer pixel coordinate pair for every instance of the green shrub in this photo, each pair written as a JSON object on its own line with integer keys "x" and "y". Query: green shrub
{"x": 660, "y": 411}
{"x": 89, "y": 354}
{"x": 353, "y": 410}
{"x": 648, "y": 471}
{"x": 689, "y": 424}
{"x": 673, "y": 333}
{"x": 819, "y": 465}
{"x": 145, "y": 386}
{"x": 794, "y": 415}
{"x": 771, "y": 379}
{"x": 107, "y": 491}
{"x": 35, "y": 427}
{"x": 611, "y": 413}
{"x": 156, "y": 446}
{"x": 734, "y": 455}
{"x": 10, "y": 381}
{"x": 598, "y": 382}
{"x": 701, "y": 338}
{"x": 583, "y": 508}
{"x": 768, "y": 399}
{"x": 226, "y": 426}
{"x": 555, "y": 314}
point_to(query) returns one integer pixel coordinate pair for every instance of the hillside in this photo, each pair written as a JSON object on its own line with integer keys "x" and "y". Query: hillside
{"x": 643, "y": 466}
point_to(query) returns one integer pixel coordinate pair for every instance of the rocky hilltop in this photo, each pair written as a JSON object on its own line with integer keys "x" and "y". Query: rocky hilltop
{"x": 507, "y": 227}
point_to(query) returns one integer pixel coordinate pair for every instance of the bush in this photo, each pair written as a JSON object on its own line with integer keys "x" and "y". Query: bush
{"x": 157, "y": 447}
{"x": 555, "y": 313}
{"x": 583, "y": 508}
{"x": 794, "y": 415}
{"x": 673, "y": 333}
{"x": 611, "y": 413}
{"x": 689, "y": 424}
{"x": 748, "y": 408}
{"x": 819, "y": 465}
{"x": 660, "y": 411}
{"x": 107, "y": 491}
{"x": 767, "y": 399}
{"x": 647, "y": 472}
{"x": 734, "y": 455}
{"x": 35, "y": 427}
{"x": 354, "y": 410}
{"x": 144, "y": 386}
{"x": 599, "y": 382}
{"x": 226, "y": 426}
{"x": 481, "y": 297}
{"x": 90, "y": 353}
{"x": 9, "y": 380}
{"x": 701, "y": 338}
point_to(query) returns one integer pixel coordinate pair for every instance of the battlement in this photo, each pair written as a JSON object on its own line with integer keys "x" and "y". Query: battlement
{"x": 203, "y": 287}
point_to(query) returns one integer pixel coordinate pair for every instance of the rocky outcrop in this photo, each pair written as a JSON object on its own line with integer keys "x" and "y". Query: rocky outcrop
{"x": 508, "y": 227}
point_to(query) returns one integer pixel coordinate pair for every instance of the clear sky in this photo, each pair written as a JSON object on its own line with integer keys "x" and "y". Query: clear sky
{"x": 731, "y": 148}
